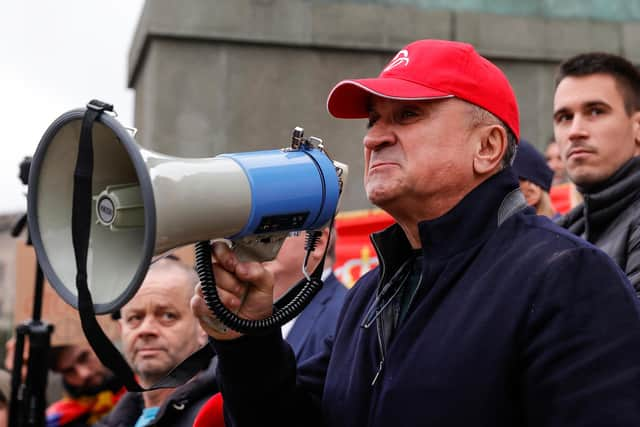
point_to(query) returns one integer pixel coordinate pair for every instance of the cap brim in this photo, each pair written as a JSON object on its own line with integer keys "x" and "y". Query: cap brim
{"x": 349, "y": 98}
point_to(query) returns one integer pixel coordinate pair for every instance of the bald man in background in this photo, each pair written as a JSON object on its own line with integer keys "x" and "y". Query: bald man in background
{"x": 159, "y": 331}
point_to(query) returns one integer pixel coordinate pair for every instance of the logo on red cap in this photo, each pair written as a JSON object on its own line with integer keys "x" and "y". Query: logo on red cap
{"x": 401, "y": 58}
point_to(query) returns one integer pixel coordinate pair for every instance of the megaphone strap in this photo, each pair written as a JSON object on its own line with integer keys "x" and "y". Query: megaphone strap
{"x": 80, "y": 228}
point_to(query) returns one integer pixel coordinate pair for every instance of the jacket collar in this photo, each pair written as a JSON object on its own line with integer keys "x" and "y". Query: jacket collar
{"x": 616, "y": 183}
{"x": 131, "y": 404}
{"x": 467, "y": 224}
{"x": 203, "y": 383}
{"x": 604, "y": 201}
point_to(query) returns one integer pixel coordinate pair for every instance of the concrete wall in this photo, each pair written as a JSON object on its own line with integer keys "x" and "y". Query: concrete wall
{"x": 215, "y": 76}
{"x": 615, "y": 10}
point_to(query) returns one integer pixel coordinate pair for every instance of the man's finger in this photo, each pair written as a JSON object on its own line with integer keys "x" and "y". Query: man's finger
{"x": 255, "y": 274}
{"x": 228, "y": 281}
{"x": 209, "y": 323}
{"x": 224, "y": 256}
{"x": 231, "y": 300}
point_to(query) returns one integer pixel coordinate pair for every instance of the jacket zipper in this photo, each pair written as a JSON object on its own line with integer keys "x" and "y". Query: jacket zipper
{"x": 415, "y": 292}
{"x": 378, "y": 325}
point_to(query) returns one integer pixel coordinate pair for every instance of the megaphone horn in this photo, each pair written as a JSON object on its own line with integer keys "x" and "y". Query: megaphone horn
{"x": 146, "y": 203}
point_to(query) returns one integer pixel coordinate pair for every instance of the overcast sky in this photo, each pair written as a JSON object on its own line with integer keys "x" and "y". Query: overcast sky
{"x": 56, "y": 56}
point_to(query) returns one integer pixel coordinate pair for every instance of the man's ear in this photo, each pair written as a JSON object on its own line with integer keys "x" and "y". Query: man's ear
{"x": 322, "y": 243}
{"x": 318, "y": 251}
{"x": 203, "y": 338}
{"x": 491, "y": 146}
{"x": 635, "y": 118}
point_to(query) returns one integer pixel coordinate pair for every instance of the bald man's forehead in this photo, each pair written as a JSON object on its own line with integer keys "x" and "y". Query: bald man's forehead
{"x": 168, "y": 279}
{"x": 163, "y": 285}
{"x": 165, "y": 266}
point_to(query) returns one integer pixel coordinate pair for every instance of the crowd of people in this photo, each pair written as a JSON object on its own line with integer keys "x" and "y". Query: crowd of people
{"x": 493, "y": 304}
{"x": 158, "y": 331}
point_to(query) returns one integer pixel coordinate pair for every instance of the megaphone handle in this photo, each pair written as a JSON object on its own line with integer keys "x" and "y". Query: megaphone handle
{"x": 281, "y": 315}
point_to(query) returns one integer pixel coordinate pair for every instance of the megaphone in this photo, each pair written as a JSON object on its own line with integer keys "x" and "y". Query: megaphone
{"x": 147, "y": 203}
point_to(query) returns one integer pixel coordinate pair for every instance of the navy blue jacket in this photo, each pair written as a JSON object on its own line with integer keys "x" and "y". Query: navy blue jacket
{"x": 522, "y": 324}
{"x": 317, "y": 321}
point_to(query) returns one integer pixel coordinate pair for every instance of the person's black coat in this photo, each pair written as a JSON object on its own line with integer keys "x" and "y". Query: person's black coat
{"x": 609, "y": 218}
{"x": 180, "y": 409}
{"x": 517, "y": 323}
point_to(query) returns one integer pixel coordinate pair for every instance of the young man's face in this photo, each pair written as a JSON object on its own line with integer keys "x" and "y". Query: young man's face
{"x": 158, "y": 328}
{"x": 80, "y": 367}
{"x": 595, "y": 133}
{"x": 416, "y": 155}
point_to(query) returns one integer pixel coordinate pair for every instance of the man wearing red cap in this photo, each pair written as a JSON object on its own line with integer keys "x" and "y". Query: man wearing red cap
{"x": 481, "y": 313}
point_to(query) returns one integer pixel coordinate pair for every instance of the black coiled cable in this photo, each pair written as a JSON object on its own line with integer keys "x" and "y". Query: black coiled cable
{"x": 310, "y": 242}
{"x": 284, "y": 310}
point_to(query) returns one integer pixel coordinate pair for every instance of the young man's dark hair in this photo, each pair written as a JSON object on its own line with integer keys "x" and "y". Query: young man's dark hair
{"x": 624, "y": 72}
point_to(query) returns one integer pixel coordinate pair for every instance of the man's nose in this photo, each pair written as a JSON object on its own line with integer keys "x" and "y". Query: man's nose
{"x": 149, "y": 326}
{"x": 379, "y": 136}
{"x": 578, "y": 127}
{"x": 83, "y": 372}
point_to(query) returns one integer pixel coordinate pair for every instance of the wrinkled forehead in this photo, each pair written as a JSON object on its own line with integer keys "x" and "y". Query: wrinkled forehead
{"x": 162, "y": 288}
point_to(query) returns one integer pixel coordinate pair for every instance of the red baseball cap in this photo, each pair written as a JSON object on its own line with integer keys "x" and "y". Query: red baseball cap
{"x": 431, "y": 69}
